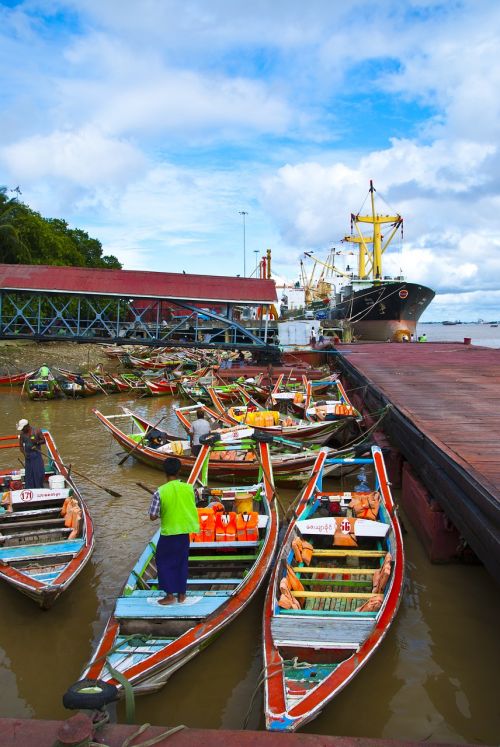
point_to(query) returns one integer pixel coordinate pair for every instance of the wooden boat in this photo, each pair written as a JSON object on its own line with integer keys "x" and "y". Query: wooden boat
{"x": 39, "y": 555}
{"x": 287, "y": 390}
{"x": 130, "y": 381}
{"x": 337, "y": 406}
{"x": 41, "y": 388}
{"x": 146, "y": 642}
{"x": 76, "y": 386}
{"x": 323, "y": 620}
{"x": 15, "y": 379}
{"x": 291, "y": 461}
{"x": 159, "y": 386}
{"x": 275, "y": 423}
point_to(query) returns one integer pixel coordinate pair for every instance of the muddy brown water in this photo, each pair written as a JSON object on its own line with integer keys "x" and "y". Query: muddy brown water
{"x": 434, "y": 678}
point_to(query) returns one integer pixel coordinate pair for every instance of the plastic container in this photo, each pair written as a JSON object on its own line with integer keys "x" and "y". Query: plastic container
{"x": 56, "y": 482}
{"x": 467, "y": 340}
{"x": 243, "y": 503}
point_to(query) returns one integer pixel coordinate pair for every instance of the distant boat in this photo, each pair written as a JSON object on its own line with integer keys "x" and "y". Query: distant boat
{"x": 450, "y": 323}
{"x": 493, "y": 325}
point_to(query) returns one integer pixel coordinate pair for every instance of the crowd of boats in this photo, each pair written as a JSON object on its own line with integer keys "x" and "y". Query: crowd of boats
{"x": 336, "y": 567}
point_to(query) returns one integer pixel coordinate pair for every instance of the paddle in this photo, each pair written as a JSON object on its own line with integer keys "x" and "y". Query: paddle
{"x": 139, "y": 443}
{"x": 70, "y": 469}
{"x": 113, "y": 493}
{"x": 98, "y": 384}
{"x": 145, "y": 487}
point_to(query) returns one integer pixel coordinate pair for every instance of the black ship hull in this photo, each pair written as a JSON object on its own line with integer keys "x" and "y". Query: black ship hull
{"x": 383, "y": 311}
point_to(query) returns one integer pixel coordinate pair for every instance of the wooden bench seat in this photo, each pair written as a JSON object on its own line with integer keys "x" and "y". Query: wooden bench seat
{"x": 30, "y": 524}
{"x": 41, "y": 551}
{"x": 37, "y": 532}
{"x": 332, "y": 594}
{"x": 333, "y": 570}
{"x": 223, "y": 545}
{"x": 136, "y": 606}
{"x": 324, "y": 631}
{"x": 337, "y": 553}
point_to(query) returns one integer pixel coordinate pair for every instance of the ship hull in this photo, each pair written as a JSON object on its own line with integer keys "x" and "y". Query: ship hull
{"x": 384, "y": 311}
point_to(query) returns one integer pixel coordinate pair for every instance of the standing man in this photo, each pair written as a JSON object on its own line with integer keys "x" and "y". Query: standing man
{"x": 199, "y": 427}
{"x": 30, "y": 443}
{"x": 174, "y": 503}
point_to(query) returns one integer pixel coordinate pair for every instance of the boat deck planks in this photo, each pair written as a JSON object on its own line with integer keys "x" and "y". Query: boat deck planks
{"x": 451, "y": 393}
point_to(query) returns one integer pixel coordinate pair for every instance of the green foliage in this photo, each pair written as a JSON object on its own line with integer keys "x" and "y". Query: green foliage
{"x": 28, "y": 238}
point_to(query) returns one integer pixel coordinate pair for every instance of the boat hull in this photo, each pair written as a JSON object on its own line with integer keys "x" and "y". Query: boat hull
{"x": 385, "y": 311}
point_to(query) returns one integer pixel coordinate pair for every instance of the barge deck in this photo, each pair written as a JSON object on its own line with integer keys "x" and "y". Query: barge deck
{"x": 444, "y": 418}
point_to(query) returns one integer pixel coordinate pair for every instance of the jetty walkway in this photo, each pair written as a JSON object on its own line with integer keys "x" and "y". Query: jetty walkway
{"x": 445, "y": 420}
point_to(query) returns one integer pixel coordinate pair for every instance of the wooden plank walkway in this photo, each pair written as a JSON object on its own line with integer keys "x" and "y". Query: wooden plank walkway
{"x": 446, "y": 422}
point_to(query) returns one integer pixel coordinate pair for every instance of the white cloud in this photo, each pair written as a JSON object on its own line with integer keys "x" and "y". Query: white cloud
{"x": 85, "y": 157}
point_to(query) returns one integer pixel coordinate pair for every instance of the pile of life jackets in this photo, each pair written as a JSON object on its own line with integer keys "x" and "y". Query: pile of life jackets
{"x": 72, "y": 515}
{"x": 339, "y": 409}
{"x": 262, "y": 418}
{"x": 220, "y": 526}
{"x": 232, "y": 455}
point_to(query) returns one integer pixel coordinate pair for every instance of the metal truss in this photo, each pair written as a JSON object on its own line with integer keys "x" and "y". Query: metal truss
{"x": 113, "y": 319}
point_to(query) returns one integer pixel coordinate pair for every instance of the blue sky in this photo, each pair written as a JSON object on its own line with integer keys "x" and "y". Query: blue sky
{"x": 152, "y": 124}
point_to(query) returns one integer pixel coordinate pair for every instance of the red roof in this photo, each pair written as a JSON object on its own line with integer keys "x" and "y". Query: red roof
{"x": 136, "y": 284}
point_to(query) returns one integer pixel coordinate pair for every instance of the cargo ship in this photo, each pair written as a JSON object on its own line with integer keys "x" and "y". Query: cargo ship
{"x": 368, "y": 305}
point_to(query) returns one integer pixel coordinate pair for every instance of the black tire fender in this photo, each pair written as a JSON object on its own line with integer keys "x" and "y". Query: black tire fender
{"x": 262, "y": 437}
{"x": 209, "y": 439}
{"x": 89, "y": 694}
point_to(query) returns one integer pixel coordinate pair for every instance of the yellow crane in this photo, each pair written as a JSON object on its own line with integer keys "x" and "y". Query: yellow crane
{"x": 370, "y": 260}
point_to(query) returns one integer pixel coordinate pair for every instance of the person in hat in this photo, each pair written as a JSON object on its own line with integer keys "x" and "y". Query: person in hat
{"x": 174, "y": 504}
{"x": 30, "y": 443}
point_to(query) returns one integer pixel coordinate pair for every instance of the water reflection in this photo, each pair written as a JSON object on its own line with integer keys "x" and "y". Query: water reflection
{"x": 434, "y": 676}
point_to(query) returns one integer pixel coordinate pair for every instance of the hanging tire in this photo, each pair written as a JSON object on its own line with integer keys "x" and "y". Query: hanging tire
{"x": 209, "y": 439}
{"x": 89, "y": 694}
{"x": 262, "y": 437}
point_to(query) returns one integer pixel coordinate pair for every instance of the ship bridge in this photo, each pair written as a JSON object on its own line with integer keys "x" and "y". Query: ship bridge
{"x": 45, "y": 302}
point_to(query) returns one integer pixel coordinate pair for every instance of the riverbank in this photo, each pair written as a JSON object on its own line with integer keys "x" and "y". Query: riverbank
{"x": 25, "y": 355}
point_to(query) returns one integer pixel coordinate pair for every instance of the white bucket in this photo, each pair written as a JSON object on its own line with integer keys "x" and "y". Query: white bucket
{"x": 56, "y": 482}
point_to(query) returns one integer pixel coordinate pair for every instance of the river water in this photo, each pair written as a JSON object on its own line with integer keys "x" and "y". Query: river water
{"x": 435, "y": 677}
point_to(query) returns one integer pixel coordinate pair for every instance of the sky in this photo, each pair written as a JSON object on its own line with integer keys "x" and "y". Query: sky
{"x": 154, "y": 125}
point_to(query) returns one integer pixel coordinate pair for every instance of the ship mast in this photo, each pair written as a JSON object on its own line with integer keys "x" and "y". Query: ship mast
{"x": 370, "y": 260}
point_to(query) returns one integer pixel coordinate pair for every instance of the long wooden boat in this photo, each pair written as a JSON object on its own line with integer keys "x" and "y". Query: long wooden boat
{"x": 291, "y": 461}
{"x": 38, "y": 388}
{"x": 159, "y": 386}
{"x": 337, "y": 405}
{"x": 76, "y": 385}
{"x": 16, "y": 379}
{"x": 286, "y": 426}
{"x": 329, "y": 604}
{"x": 146, "y": 642}
{"x": 41, "y": 551}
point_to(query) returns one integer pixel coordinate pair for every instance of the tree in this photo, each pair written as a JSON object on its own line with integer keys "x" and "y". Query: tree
{"x": 28, "y": 238}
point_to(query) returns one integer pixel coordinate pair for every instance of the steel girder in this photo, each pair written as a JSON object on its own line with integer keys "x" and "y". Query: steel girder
{"x": 113, "y": 319}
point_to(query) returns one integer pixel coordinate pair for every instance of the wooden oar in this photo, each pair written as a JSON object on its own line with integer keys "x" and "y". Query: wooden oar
{"x": 70, "y": 469}
{"x": 114, "y": 493}
{"x": 139, "y": 443}
{"x": 98, "y": 384}
{"x": 146, "y": 488}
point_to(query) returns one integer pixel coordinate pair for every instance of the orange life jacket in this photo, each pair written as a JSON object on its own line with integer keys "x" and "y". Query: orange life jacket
{"x": 206, "y": 533}
{"x": 76, "y": 515}
{"x": 225, "y": 527}
{"x": 247, "y": 526}
{"x": 365, "y": 505}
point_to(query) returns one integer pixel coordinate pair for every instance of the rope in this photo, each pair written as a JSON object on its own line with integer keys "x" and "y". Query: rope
{"x": 127, "y": 689}
{"x": 148, "y": 742}
{"x": 263, "y": 677}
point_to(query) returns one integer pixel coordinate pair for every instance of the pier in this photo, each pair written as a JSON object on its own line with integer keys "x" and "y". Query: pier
{"x": 443, "y": 403}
